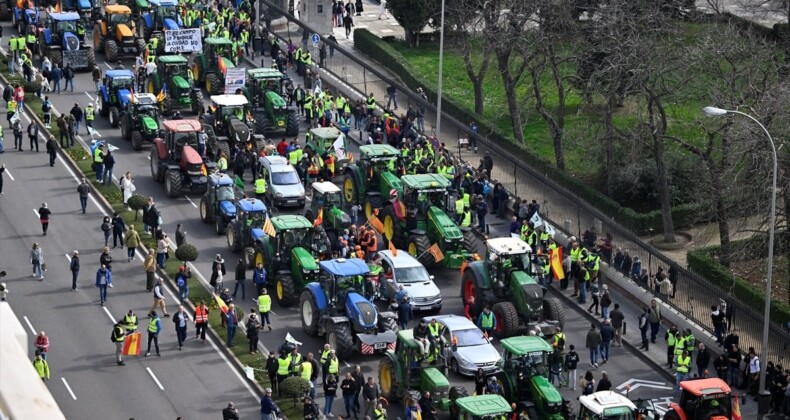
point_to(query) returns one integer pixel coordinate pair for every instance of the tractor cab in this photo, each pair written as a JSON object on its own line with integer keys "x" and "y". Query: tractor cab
{"x": 165, "y": 15}
{"x": 608, "y": 405}
{"x": 263, "y": 80}
{"x": 251, "y": 213}
{"x": 145, "y": 105}
{"x": 420, "y": 193}
{"x": 380, "y": 159}
{"x": 322, "y": 140}
{"x": 61, "y": 30}
{"x": 483, "y": 407}
{"x": 342, "y": 278}
{"x": 702, "y": 399}
{"x": 173, "y": 65}
{"x": 525, "y": 378}
{"x": 179, "y": 134}
{"x": 229, "y": 107}
{"x": 217, "y": 48}
{"x": 504, "y": 256}
{"x": 328, "y": 203}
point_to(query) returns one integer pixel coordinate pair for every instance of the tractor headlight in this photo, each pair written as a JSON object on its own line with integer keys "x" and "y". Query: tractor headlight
{"x": 360, "y": 319}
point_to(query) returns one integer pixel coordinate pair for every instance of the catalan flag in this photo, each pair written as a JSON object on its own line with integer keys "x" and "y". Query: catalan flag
{"x": 269, "y": 228}
{"x": 555, "y": 261}
{"x": 436, "y": 252}
{"x": 393, "y": 249}
{"x": 162, "y": 93}
{"x": 221, "y": 304}
{"x": 320, "y": 219}
{"x": 131, "y": 344}
{"x": 376, "y": 223}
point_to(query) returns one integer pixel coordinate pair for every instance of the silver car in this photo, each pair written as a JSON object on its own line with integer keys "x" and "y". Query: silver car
{"x": 467, "y": 348}
{"x": 414, "y": 278}
{"x": 284, "y": 189}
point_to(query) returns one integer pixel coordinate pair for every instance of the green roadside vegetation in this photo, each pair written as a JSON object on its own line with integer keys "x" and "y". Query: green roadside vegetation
{"x": 197, "y": 291}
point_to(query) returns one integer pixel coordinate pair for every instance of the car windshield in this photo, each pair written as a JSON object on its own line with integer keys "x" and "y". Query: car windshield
{"x": 119, "y": 18}
{"x": 225, "y": 193}
{"x": 285, "y": 178}
{"x": 469, "y": 337}
{"x": 296, "y": 237}
{"x": 237, "y": 111}
{"x": 183, "y": 139}
{"x": 411, "y": 274}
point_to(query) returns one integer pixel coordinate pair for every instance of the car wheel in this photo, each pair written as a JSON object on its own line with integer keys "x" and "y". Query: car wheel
{"x": 454, "y": 366}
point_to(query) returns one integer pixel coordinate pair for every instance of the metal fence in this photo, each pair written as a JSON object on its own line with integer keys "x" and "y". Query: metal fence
{"x": 694, "y": 296}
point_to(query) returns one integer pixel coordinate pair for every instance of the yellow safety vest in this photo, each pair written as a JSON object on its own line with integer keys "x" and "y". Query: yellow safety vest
{"x": 152, "y": 326}
{"x": 467, "y": 221}
{"x": 20, "y": 42}
{"x": 466, "y": 199}
{"x": 683, "y": 364}
{"x": 576, "y": 254}
{"x": 670, "y": 338}
{"x": 434, "y": 329}
{"x": 12, "y": 44}
{"x": 130, "y": 321}
{"x": 97, "y": 156}
{"x": 264, "y": 303}
{"x": 379, "y": 414}
{"x": 293, "y": 157}
{"x": 325, "y": 356}
{"x": 459, "y": 205}
{"x": 371, "y": 103}
{"x": 680, "y": 345}
{"x": 31, "y": 39}
{"x": 223, "y": 164}
{"x": 89, "y": 115}
{"x": 307, "y": 370}
{"x": 487, "y": 320}
{"x": 524, "y": 232}
{"x": 282, "y": 366}
{"x": 334, "y": 366}
{"x": 11, "y": 106}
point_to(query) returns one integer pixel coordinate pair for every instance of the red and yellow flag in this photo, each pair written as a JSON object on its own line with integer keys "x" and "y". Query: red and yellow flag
{"x": 555, "y": 261}
{"x": 736, "y": 408}
{"x": 436, "y": 252}
{"x": 221, "y": 304}
{"x": 222, "y": 66}
{"x": 393, "y": 249}
{"x": 131, "y": 344}
{"x": 320, "y": 219}
{"x": 268, "y": 227}
{"x": 376, "y": 223}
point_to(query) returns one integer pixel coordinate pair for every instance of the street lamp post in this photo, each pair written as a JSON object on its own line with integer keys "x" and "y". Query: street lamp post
{"x": 714, "y": 112}
{"x": 439, "y": 87}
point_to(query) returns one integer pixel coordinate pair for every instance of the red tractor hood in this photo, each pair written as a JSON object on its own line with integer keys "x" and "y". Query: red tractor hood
{"x": 190, "y": 156}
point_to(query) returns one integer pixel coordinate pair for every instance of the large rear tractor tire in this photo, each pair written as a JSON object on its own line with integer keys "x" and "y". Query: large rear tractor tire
{"x": 309, "y": 313}
{"x": 173, "y": 183}
{"x": 98, "y": 38}
{"x": 469, "y": 288}
{"x": 205, "y": 213}
{"x": 115, "y": 117}
{"x": 387, "y": 324}
{"x": 506, "y": 319}
{"x": 234, "y": 242}
{"x": 137, "y": 140}
{"x": 393, "y": 229}
{"x": 262, "y": 124}
{"x": 285, "y": 290}
{"x": 456, "y": 392}
{"x": 197, "y": 102}
{"x": 214, "y": 84}
{"x": 224, "y": 147}
{"x": 111, "y": 50}
{"x": 292, "y": 125}
{"x": 350, "y": 189}
{"x": 553, "y": 311}
{"x": 472, "y": 243}
{"x": 340, "y": 338}
{"x": 417, "y": 247}
{"x": 372, "y": 202}
{"x": 388, "y": 378}
{"x": 91, "y": 59}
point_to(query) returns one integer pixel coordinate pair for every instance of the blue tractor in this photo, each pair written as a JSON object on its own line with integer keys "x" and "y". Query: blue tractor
{"x": 217, "y": 204}
{"x": 24, "y": 18}
{"x": 115, "y": 93}
{"x": 61, "y": 41}
{"x": 164, "y": 15}
{"x": 246, "y": 229}
{"x": 336, "y": 307}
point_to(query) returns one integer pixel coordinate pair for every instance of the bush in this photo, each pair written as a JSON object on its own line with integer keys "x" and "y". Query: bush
{"x": 31, "y": 87}
{"x": 187, "y": 253}
{"x": 295, "y": 387}
{"x": 136, "y": 202}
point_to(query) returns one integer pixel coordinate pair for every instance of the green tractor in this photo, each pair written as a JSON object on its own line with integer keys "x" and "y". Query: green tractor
{"x": 506, "y": 281}
{"x": 417, "y": 218}
{"x": 483, "y": 407}
{"x": 328, "y": 202}
{"x": 405, "y": 373}
{"x": 525, "y": 378}
{"x": 371, "y": 179}
{"x": 209, "y": 68}
{"x": 264, "y": 90}
{"x": 173, "y": 79}
{"x": 232, "y": 125}
{"x": 322, "y": 140}
{"x": 141, "y": 120}
{"x": 290, "y": 256}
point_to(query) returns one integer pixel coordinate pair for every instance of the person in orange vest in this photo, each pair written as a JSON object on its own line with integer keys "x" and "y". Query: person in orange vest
{"x": 372, "y": 245}
{"x": 201, "y": 320}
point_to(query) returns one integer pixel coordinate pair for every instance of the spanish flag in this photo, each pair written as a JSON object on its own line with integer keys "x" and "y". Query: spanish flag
{"x": 221, "y": 304}
{"x": 436, "y": 252}
{"x": 57, "y": 7}
{"x": 269, "y": 228}
{"x": 736, "y": 408}
{"x": 555, "y": 261}
{"x": 376, "y": 223}
{"x": 131, "y": 344}
{"x": 393, "y": 249}
{"x": 320, "y": 219}
{"x": 221, "y": 64}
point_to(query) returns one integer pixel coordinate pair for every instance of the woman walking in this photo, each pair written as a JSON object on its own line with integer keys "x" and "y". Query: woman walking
{"x": 127, "y": 188}
{"x": 132, "y": 242}
{"x": 43, "y": 217}
{"x": 106, "y": 228}
{"x": 37, "y": 259}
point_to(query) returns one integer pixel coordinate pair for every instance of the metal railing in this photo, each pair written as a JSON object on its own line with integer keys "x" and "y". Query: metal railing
{"x": 694, "y": 295}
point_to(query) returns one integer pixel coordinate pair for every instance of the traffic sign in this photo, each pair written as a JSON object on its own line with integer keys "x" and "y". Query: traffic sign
{"x": 316, "y": 40}
{"x": 634, "y": 384}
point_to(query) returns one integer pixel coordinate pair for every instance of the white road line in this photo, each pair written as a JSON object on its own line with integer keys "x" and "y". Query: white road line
{"x": 73, "y": 175}
{"x": 68, "y": 257}
{"x": 69, "y": 389}
{"x": 149, "y": 157}
{"x": 89, "y": 95}
{"x": 159, "y": 384}
{"x": 108, "y": 65}
{"x": 189, "y": 199}
{"x": 29, "y": 325}
{"x": 24, "y": 114}
{"x": 107, "y": 311}
{"x": 36, "y": 212}
{"x": 7, "y": 172}
{"x": 3, "y": 51}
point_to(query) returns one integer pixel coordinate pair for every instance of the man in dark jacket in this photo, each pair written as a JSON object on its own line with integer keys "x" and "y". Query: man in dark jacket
{"x": 32, "y": 135}
{"x": 76, "y": 112}
{"x": 702, "y": 360}
{"x": 427, "y": 407}
{"x": 268, "y": 407}
{"x": 74, "y": 267}
{"x": 52, "y": 149}
{"x": 118, "y": 230}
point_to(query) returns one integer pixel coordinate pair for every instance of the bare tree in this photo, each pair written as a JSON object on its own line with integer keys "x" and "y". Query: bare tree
{"x": 471, "y": 18}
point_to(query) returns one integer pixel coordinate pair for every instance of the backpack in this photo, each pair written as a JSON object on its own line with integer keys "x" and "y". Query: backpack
{"x": 7, "y": 93}
{"x": 46, "y": 106}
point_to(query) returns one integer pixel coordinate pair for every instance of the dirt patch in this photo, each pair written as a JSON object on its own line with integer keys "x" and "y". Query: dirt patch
{"x": 754, "y": 272}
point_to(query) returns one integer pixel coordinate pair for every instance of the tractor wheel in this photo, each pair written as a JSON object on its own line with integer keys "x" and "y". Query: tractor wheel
{"x": 91, "y": 59}
{"x": 387, "y": 379}
{"x": 140, "y": 44}
{"x": 214, "y": 84}
{"x": 156, "y": 169}
{"x": 114, "y": 117}
{"x": 111, "y": 50}
{"x": 418, "y": 245}
{"x": 285, "y": 290}
{"x": 509, "y": 393}
{"x": 261, "y": 122}
{"x": 98, "y": 38}
{"x": 126, "y": 126}
{"x": 506, "y": 319}
{"x": 350, "y": 189}
{"x": 232, "y": 236}
{"x": 173, "y": 183}
{"x": 372, "y": 202}
{"x": 292, "y": 125}
{"x": 224, "y": 147}
{"x": 196, "y": 70}
{"x": 260, "y": 144}
{"x": 553, "y": 311}
{"x": 472, "y": 244}
{"x": 469, "y": 288}
{"x": 219, "y": 226}
{"x": 56, "y": 57}
{"x": 393, "y": 230}
{"x": 309, "y": 311}
{"x": 387, "y": 324}
{"x": 260, "y": 257}
{"x": 456, "y": 392}
{"x": 205, "y": 213}
{"x": 167, "y": 104}
{"x": 249, "y": 257}
{"x": 197, "y": 102}
{"x": 339, "y": 337}
{"x": 137, "y": 140}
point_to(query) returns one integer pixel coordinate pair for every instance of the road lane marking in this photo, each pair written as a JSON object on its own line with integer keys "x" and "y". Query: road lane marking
{"x": 73, "y": 175}
{"x": 89, "y": 95}
{"x": 29, "y": 325}
{"x": 36, "y": 212}
{"x": 189, "y": 199}
{"x": 12, "y": 177}
{"x": 24, "y": 114}
{"x": 159, "y": 384}
{"x": 107, "y": 311}
{"x": 108, "y": 65}
{"x": 68, "y": 257}
{"x": 68, "y": 388}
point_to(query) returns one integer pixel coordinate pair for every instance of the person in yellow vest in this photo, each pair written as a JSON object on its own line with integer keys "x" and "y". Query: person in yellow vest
{"x": 559, "y": 340}
{"x": 671, "y": 337}
{"x": 332, "y": 365}
{"x": 260, "y": 187}
{"x": 10, "y": 108}
{"x": 42, "y": 367}
{"x": 31, "y": 43}
{"x": 21, "y": 45}
{"x": 130, "y": 322}
{"x": 296, "y": 361}
{"x": 379, "y": 413}
{"x": 682, "y": 370}
{"x": 459, "y": 209}
{"x": 340, "y": 106}
{"x": 487, "y": 321}
{"x": 222, "y": 162}
{"x": 118, "y": 337}
{"x": 264, "y": 307}
{"x": 680, "y": 345}
{"x": 283, "y": 370}
{"x": 309, "y": 372}
{"x": 308, "y": 108}
{"x": 466, "y": 218}
{"x": 90, "y": 115}
{"x": 370, "y": 104}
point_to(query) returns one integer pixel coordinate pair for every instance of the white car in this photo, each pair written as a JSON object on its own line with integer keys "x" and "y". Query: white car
{"x": 414, "y": 278}
{"x": 467, "y": 348}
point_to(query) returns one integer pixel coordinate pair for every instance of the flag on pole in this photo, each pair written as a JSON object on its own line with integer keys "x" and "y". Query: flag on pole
{"x": 436, "y": 252}
{"x": 162, "y": 93}
{"x": 238, "y": 183}
{"x": 221, "y": 65}
{"x": 340, "y": 147}
{"x": 549, "y": 229}
{"x": 221, "y": 304}
{"x": 320, "y": 219}
{"x": 736, "y": 408}
{"x": 268, "y": 227}
{"x": 555, "y": 261}
{"x": 536, "y": 220}
{"x": 131, "y": 344}
{"x": 393, "y": 249}
{"x": 376, "y": 223}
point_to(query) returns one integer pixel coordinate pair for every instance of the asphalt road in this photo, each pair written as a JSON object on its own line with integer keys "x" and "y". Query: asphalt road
{"x": 623, "y": 366}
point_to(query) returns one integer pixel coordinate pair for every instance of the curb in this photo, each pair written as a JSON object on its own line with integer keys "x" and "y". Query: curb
{"x": 72, "y": 165}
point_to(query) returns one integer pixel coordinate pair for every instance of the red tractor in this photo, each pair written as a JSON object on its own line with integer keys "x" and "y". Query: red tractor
{"x": 175, "y": 160}
{"x": 702, "y": 399}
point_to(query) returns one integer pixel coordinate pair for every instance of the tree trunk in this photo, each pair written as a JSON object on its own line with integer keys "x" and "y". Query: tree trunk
{"x": 608, "y": 116}
{"x": 479, "y": 104}
{"x": 509, "y": 82}
{"x": 663, "y": 186}
{"x": 722, "y": 220}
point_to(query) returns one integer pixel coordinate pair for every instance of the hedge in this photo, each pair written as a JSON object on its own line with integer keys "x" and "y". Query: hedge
{"x": 640, "y": 223}
{"x": 704, "y": 262}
